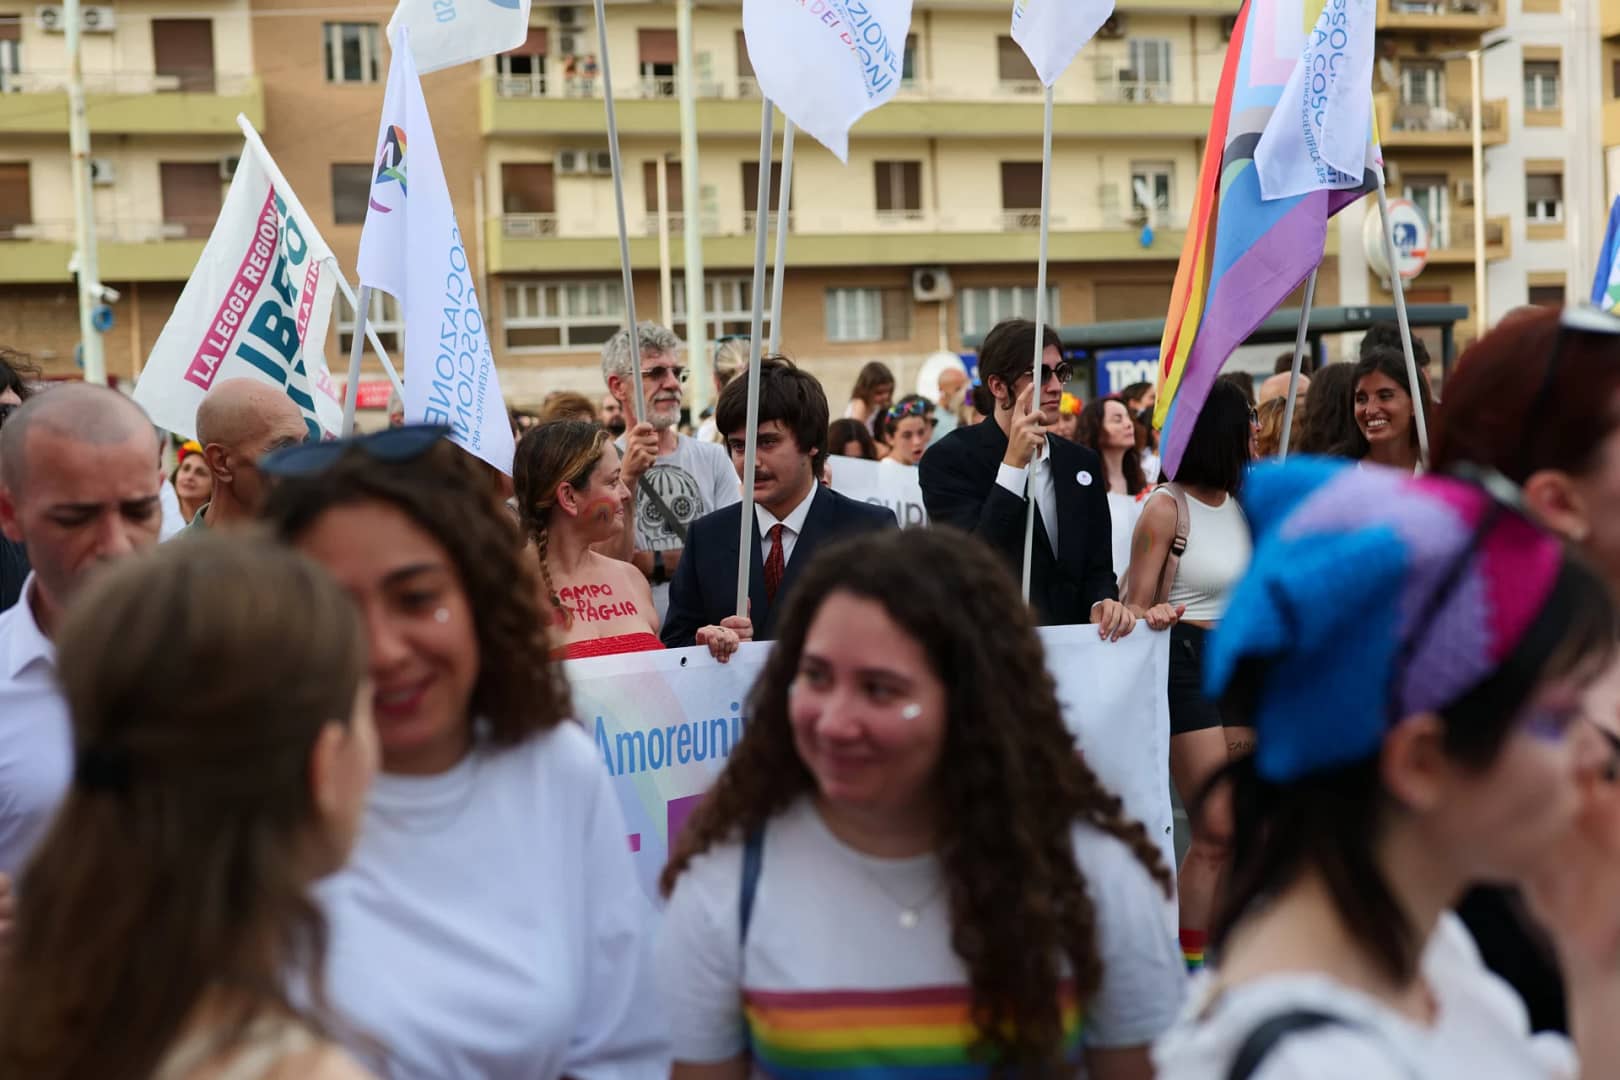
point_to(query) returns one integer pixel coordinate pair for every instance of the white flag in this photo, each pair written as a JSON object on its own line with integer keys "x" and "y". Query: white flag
{"x": 827, "y": 63}
{"x": 449, "y": 32}
{"x": 411, "y": 247}
{"x": 1051, "y": 32}
{"x": 256, "y": 306}
{"x": 1319, "y": 135}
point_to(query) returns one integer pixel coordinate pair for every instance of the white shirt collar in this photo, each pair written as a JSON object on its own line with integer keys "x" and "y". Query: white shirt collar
{"x": 22, "y": 642}
{"x": 794, "y": 522}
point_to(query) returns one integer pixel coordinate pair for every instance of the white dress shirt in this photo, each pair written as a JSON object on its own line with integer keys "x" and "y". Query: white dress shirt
{"x": 1017, "y": 482}
{"x": 792, "y": 526}
{"x": 36, "y": 736}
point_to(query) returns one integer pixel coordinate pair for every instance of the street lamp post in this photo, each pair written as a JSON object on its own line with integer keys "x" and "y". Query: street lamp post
{"x": 1476, "y": 86}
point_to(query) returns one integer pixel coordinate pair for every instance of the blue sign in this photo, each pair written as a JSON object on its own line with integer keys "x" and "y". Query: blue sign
{"x": 1119, "y": 368}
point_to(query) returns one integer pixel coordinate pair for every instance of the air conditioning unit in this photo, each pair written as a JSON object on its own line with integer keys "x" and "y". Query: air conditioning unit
{"x": 567, "y": 45}
{"x": 92, "y": 20}
{"x": 931, "y": 283}
{"x": 1228, "y": 27}
{"x": 601, "y": 163}
{"x": 1465, "y": 192}
{"x": 574, "y": 162}
{"x": 1113, "y": 29}
{"x": 568, "y": 17}
{"x": 102, "y": 171}
{"x": 227, "y": 166}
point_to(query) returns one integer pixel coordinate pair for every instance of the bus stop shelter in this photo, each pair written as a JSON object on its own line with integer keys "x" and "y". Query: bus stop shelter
{"x": 1107, "y": 355}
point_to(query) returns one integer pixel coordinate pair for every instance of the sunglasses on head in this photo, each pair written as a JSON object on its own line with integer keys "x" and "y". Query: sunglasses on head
{"x": 1579, "y": 319}
{"x": 392, "y": 446}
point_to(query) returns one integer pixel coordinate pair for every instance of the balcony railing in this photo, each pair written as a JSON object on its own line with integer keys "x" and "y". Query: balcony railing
{"x": 521, "y": 86}
{"x": 1027, "y": 220}
{"x": 1458, "y": 233}
{"x": 1442, "y": 7}
{"x": 529, "y": 226}
{"x": 899, "y": 218}
{"x": 1454, "y": 117}
{"x": 127, "y": 82}
{"x": 61, "y": 231}
{"x": 751, "y": 220}
{"x": 677, "y": 223}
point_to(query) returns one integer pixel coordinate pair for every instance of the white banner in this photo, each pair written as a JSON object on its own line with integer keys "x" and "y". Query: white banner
{"x": 1319, "y": 135}
{"x": 881, "y": 483}
{"x": 449, "y": 32}
{"x": 827, "y": 63}
{"x": 411, "y": 247}
{"x": 664, "y": 723}
{"x": 256, "y": 306}
{"x": 1052, "y": 32}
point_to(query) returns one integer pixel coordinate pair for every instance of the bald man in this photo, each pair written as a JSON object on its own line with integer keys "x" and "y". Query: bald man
{"x": 238, "y": 423}
{"x": 79, "y": 486}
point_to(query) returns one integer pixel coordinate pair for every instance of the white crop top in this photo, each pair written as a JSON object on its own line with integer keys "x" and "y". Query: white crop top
{"x": 1218, "y": 550}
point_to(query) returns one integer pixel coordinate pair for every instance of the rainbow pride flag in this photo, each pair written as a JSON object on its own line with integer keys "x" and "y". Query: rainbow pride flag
{"x": 1243, "y": 255}
{"x": 1606, "y": 284}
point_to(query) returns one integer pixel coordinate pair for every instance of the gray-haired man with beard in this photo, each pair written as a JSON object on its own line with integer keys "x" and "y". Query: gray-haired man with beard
{"x": 673, "y": 478}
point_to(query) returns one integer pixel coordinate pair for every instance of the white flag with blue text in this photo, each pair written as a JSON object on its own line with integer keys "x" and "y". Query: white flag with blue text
{"x": 827, "y": 63}
{"x": 1051, "y": 32}
{"x": 449, "y": 32}
{"x": 411, "y": 247}
{"x": 1319, "y": 136}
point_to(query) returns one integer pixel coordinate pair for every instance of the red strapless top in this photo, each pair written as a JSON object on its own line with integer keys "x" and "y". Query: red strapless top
{"x": 609, "y": 646}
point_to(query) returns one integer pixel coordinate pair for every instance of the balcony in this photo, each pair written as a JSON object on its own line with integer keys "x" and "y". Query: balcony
{"x": 1458, "y": 16}
{"x": 1113, "y": 105}
{"x": 872, "y": 238}
{"x": 38, "y": 252}
{"x": 131, "y": 103}
{"x": 1453, "y": 241}
{"x": 1411, "y": 127}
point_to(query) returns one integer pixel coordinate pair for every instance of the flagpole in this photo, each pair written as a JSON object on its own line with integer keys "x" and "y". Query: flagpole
{"x": 1398, "y": 287}
{"x": 618, "y": 199}
{"x": 1040, "y": 329}
{"x": 784, "y": 204}
{"x": 1299, "y": 356}
{"x": 745, "y": 544}
{"x": 277, "y": 178}
{"x": 357, "y": 349}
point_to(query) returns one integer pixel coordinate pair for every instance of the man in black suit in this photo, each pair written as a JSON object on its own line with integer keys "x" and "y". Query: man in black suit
{"x": 793, "y": 514}
{"x": 976, "y": 478}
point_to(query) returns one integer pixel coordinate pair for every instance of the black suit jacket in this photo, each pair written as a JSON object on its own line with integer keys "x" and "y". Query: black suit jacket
{"x": 704, "y": 589}
{"x": 958, "y": 476}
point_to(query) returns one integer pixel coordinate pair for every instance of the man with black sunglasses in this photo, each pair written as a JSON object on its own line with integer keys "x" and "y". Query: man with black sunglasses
{"x": 673, "y": 479}
{"x": 976, "y": 478}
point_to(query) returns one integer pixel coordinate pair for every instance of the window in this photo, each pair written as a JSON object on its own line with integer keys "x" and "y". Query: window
{"x": 750, "y": 179}
{"x": 747, "y": 85}
{"x": 730, "y": 307}
{"x": 983, "y": 308}
{"x": 1013, "y": 65}
{"x": 1547, "y": 295}
{"x": 908, "y": 62}
{"x": 351, "y": 53}
{"x": 1432, "y": 194}
{"x": 562, "y": 315}
{"x": 658, "y": 54}
{"x": 351, "y": 193}
{"x": 1423, "y": 83}
{"x": 1020, "y": 185}
{"x": 191, "y": 197}
{"x": 10, "y": 51}
{"x": 16, "y": 199}
{"x": 522, "y": 71}
{"x": 1614, "y": 80}
{"x": 1150, "y": 190}
{"x": 868, "y": 315}
{"x": 1150, "y": 61}
{"x": 183, "y": 54}
{"x": 528, "y": 188}
{"x": 1541, "y": 84}
{"x": 382, "y": 316}
{"x": 1544, "y": 198}
{"x": 899, "y": 189}
{"x": 672, "y": 186}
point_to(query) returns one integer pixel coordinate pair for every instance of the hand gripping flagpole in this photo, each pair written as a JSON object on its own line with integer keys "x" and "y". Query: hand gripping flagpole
{"x": 1036, "y": 385}
{"x": 784, "y": 203}
{"x": 1398, "y": 287}
{"x": 618, "y": 199}
{"x": 745, "y": 544}
{"x": 1299, "y": 356}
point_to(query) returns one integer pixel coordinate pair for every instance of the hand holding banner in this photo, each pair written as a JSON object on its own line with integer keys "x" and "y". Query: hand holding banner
{"x": 449, "y": 32}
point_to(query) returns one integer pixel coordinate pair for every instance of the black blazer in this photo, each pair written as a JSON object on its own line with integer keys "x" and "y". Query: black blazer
{"x": 958, "y": 476}
{"x": 704, "y": 589}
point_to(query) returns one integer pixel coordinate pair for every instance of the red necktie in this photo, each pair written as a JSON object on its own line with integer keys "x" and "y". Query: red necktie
{"x": 774, "y": 565}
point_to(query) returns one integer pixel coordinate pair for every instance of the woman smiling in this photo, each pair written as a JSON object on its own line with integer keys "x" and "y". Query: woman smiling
{"x": 1386, "y": 433}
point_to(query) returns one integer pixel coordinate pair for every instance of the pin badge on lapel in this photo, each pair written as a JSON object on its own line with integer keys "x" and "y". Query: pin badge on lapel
{"x": 1084, "y": 478}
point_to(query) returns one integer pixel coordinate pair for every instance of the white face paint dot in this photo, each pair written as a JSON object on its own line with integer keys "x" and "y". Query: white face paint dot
{"x": 1083, "y": 477}
{"x": 912, "y": 711}
{"x": 442, "y": 615}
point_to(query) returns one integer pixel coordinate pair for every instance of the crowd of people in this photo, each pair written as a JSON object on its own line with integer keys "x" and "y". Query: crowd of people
{"x": 291, "y": 784}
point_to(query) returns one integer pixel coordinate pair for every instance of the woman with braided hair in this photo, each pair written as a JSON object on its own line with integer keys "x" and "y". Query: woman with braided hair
{"x": 905, "y": 867}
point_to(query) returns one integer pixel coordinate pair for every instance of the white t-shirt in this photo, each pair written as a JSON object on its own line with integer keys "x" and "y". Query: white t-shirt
{"x": 36, "y": 734}
{"x": 696, "y": 479}
{"x": 1481, "y": 1030}
{"x": 490, "y": 926}
{"x": 826, "y": 935}
{"x": 1123, "y": 510}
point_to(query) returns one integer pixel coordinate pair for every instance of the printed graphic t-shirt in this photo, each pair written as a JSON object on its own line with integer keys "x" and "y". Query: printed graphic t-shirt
{"x": 695, "y": 480}
{"x": 832, "y": 985}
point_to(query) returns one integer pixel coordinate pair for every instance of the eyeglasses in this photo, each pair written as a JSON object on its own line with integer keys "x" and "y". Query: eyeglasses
{"x": 1064, "y": 372}
{"x": 656, "y": 374}
{"x": 392, "y": 446}
{"x": 6, "y": 410}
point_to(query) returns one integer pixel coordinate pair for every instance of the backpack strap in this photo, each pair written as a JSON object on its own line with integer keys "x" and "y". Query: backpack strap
{"x": 1265, "y": 1038}
{"x": 1178, "y": 543}
{"x": 753, "y": 860}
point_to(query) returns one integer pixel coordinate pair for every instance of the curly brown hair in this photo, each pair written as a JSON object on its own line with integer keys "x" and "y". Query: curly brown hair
{"x": 1021, "y": 917}
{"x": 519, "y": 691}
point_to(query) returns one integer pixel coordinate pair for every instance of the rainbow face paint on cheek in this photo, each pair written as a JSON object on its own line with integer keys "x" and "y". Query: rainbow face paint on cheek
{"x": 600, "y": 509}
